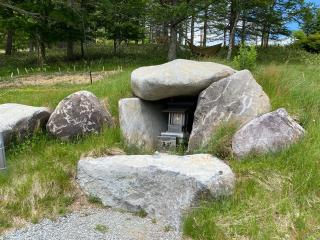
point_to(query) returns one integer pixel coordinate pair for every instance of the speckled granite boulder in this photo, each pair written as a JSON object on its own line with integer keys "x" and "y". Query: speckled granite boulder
{"x": 176, "y": 78}
{"x": 141, "y": 122}
{"x": 238, "y": 98}
{"x": 18, "y": 121}
{"x": 78, "y": 114}
{"x": 164, "y": 186}
{"x": 268, "y": 133}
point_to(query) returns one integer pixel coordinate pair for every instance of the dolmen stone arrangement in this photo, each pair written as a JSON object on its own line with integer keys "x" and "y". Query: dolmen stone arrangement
{"x": 222, "y": 95}
{"x": 167, "y": 186}
{"x": 182, "y": 99}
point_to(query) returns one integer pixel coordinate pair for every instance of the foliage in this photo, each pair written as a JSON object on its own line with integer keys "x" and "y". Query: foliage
{"x": 310, "y": 43}
{"x": 311, "y": 20}
{"x": 247, "y": 58}
{"x": 122, "y": 20}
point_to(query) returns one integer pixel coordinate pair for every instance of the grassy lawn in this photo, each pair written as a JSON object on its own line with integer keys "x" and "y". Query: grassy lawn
{"x": 277, "y": 196}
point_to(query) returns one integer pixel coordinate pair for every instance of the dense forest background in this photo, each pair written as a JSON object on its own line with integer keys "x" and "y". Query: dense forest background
{"x": 37, "y": 25}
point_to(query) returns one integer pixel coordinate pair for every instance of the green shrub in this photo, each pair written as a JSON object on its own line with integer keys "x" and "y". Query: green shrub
{"x": 247, "y": 58}
{"x": 310, "y": 43}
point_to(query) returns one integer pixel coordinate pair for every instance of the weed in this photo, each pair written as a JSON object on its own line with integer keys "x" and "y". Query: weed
{"x": 94, "y": 200}
{"x": 247, "y": 58}
{"x": 141, "y": 213}
{"x": 101, "y": 228}
{"x": 167, "y": 228}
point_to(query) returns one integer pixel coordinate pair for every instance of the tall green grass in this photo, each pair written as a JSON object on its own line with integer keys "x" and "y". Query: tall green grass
{"x": 277, "y": 196}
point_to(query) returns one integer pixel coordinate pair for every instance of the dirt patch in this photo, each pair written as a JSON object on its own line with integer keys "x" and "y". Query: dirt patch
{"x": 45, "y": 79}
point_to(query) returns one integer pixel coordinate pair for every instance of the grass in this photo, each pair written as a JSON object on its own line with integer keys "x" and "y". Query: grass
{"x": 39, "y": 181}
{"x": 98, "y": 58}
{"x": 277, "y": 196}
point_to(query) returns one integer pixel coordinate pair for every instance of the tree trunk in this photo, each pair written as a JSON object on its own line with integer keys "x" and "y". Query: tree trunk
{"x": 82, "y": 48}
{"x": 225, "y": 37}
{"x": 150, "y": 34}
{"x": 70, "y": 49}
{"x": 180, "y": 35}
{"x": 70, "y": 41}
{"x": 172, "y": 54}
{"x": 9, "y": 43}
{"x": 265, "y": 38}
{"x": 231, "y": 42}
{"x": 205, "y": 28}
{"x": 192, "y": 30}
{"x": 233, "y": 25}
{"x": 43, "y": 51}
{"x": 115, "y": 46}
{"x": 31, "y": 45}
{"x": 243, "y": 32}
{"x": 186, "y": 30}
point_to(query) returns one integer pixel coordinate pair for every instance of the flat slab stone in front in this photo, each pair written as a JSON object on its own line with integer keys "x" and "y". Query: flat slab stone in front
{"x": 270, "y": 132}
{"x": 238, "y": 98}
{"x": 141, "y": 122}
{"x": 164, "y": 186}
{"x": 176, "y": 78}
{"x": 19, "y": 121}
{"x": 78, "y": 114}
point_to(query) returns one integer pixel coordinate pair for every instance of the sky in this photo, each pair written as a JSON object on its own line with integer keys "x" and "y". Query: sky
{"x": 295, "y": 26}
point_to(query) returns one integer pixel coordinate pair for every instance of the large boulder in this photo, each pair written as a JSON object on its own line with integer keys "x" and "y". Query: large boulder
{"x": 141, "y": 122}
{"x": 78, "y": 114}
{"x": 18, "y": 121}
{"x": 176, "y": 78}
{"x": 268, "y": 133}
{"x": 163, "y": 186}
{"x": 238, "y": 98}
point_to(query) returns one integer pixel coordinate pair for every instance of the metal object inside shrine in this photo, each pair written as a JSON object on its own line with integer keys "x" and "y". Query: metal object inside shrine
{"x": 180, "y": 118}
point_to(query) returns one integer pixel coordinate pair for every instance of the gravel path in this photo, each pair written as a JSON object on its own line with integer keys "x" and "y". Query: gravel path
{"x": 96, "y": 224}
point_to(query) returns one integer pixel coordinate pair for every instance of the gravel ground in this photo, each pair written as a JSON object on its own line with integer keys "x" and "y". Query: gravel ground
{"x": 96, "y": 224}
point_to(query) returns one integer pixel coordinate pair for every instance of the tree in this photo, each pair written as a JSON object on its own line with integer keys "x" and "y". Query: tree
{"x": 122, "y": 20}
{"x": 233, "y": 21}
{"x": 311, "y": 20}
{"x": 173, "y": 13}
{"x": 9, "y": 22}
